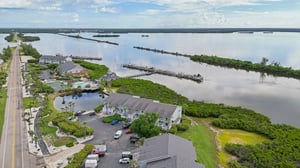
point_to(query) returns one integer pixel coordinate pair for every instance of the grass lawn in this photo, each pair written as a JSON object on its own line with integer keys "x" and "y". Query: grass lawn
{"x": 3, "y": 96}
{"x": 30, "y": 102}
{"x": 236, "y": 137}
{"x": 50, "y": 132}
{"x": 203, "y": 141}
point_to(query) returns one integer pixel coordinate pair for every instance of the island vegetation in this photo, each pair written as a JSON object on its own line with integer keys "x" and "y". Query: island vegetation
{"x": 279, "y": 151}
{"x": 14, "y": 37}
{"x": 273, "y": 68}
{"x": 106, "y": 35}
{"x": 90, "y": 39}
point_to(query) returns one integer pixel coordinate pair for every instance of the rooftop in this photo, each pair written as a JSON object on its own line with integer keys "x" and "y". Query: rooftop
{"x": 167, "y": 150}
{"x": 134, "y": 103}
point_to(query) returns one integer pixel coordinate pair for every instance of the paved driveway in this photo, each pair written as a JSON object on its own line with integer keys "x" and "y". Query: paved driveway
{"x": 103, "y": 134}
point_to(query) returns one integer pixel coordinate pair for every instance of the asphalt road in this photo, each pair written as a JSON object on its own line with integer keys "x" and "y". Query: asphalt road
{"x": 14, "y": 151}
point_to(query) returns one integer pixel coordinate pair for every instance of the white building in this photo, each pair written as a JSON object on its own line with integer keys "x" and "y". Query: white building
{"x": 130, "y": 107}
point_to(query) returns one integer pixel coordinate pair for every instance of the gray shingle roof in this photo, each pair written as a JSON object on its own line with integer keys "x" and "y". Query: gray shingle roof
{"x": 167, "y": 150}
{"x": 134, "y": 103}
{"x": 45, "y": 75}
{"x": 57, "y": 58}
{"x": 65, "y": 67}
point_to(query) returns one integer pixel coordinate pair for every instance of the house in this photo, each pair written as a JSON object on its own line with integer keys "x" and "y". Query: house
{"x": 166, "y": 150}
{"x": 70, "y": 68}
{"x": 49, "y": 59}
{"x": 109, "y": 76}
{"x": 130, "y": 107}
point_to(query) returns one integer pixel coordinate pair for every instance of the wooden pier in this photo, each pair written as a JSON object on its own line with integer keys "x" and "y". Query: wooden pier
{"x": 162, "y": 51}
{"x": 139, "y": 75}
{"x": 197, "y": 78}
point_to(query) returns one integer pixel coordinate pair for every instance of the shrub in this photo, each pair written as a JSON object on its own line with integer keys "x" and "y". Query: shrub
{"x": 109, "y": 119}
{"x": 173, "y": 129}
{"x": 70, "y": 144}
{"x": 99, "y": 108}
{"x": 79, "y": 157}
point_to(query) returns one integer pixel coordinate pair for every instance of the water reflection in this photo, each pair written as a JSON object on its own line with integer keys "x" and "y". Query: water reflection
{"x": 274, "y": 97}
{"x": 78, "y": 102}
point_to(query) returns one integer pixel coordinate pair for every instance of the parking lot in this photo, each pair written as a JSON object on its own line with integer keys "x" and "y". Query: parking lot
{"x": 103, "y": 134}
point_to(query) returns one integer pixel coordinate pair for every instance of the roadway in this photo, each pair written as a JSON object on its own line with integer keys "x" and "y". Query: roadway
{"x": 14, "y": 151}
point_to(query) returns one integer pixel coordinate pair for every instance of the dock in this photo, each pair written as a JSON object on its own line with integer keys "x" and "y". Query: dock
{"x": 197, "y": 77}
{"x": 163, "y": 51}
{"x": 139, "y": 75}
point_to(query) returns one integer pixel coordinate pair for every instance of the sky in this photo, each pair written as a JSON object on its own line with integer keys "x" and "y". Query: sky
{"x": 149, "y": 13}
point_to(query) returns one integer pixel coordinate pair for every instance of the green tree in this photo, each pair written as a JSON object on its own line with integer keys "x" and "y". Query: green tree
{"x": 145, "y": 125}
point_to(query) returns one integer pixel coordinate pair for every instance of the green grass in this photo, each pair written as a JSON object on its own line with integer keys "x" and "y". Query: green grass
{"x": 94, "y": 71}
{"x": 50, "y": 132}
{"x": 3, "y": 96}
{"x": 203, "y": 141}
{"x": 236, "y": 137}
{"x": 30, "y": 102}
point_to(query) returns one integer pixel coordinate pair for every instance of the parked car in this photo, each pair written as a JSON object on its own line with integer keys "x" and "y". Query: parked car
{"x": 124, "y": 161}
{"x": 118, "y": 134}
{"x": 126, "y": 125}
{"x": 114, "y": 122}
{"x": 134, "y": 138}
{"x": 92, "y": 113}
{"x": 99, "y": 150}
{"x": 128, "y": 131}
{"x": 127, "y": 154}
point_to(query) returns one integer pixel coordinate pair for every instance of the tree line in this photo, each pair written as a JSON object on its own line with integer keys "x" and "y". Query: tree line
{"x": 272, "y": 69}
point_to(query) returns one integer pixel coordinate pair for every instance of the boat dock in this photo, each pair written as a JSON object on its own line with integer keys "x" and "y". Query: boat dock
{"x": 197, "y": 78}
{"x": 139, "y": 75}
{"x": 162, "y": 51}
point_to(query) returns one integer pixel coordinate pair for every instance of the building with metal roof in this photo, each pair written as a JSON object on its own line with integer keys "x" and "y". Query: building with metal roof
{"x": 130, "y": 107}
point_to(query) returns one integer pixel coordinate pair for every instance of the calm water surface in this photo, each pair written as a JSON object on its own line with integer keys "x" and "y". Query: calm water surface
{"x": 84, "y": 101}
{"x": 275, "y": 97}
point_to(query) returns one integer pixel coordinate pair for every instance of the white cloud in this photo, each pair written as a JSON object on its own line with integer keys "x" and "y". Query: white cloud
{"x": 108, "y": 10}
{"x": 15, "y": 3}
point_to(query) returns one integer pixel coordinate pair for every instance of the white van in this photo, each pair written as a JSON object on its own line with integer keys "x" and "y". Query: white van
{"x": 93, "y": 157}
{"x": 90, "y": 164}
{"x": 118, "y": 134}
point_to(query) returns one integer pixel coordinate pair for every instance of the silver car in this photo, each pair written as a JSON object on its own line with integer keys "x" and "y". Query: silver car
{"x": 124, "y": 161}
